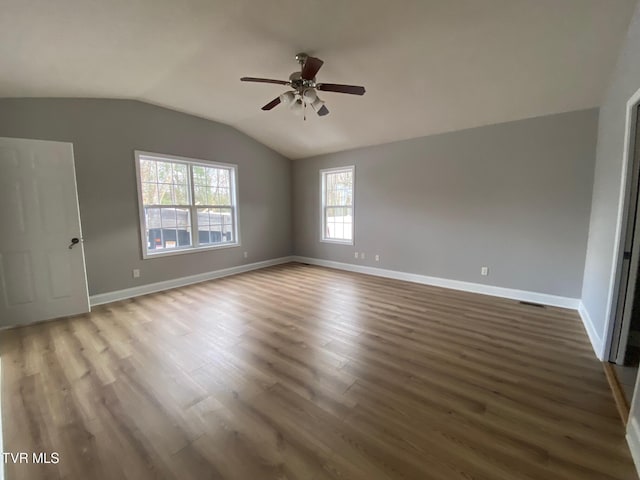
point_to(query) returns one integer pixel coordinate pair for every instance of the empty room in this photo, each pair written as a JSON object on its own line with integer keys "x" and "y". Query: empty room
{"x": 313, "y": 240}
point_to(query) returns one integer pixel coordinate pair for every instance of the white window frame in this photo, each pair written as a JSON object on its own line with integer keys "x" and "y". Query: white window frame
{"x": 194, "y": 247}
{"x": 323, "y": 205}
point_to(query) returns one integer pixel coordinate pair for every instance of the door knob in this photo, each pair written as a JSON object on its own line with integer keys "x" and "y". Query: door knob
{"x": 74, "y": 241}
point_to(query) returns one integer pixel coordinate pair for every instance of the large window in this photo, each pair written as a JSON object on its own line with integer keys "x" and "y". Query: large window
{"x": 185, "y": 204}
{"x": 337, "y": 205}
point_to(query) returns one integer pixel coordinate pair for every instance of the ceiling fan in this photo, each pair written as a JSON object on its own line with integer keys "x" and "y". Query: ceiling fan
{"x": 304, "y": 87}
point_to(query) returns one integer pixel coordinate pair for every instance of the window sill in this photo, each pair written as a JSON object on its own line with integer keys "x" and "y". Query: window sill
{"x": 337, "y": 242}
{"x": 182, "y": 251}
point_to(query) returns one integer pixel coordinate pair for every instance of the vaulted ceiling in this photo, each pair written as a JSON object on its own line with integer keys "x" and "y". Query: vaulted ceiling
{"x": 429, "y": 66}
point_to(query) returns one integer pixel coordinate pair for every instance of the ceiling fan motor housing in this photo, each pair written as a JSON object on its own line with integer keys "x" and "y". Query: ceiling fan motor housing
{"x": 299, "y": 83}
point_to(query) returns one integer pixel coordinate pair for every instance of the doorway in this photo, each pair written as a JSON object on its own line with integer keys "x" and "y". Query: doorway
{"x": 625, "y": 343}
{"x": 624, "y": 352}
{"x": 42, "y": 267}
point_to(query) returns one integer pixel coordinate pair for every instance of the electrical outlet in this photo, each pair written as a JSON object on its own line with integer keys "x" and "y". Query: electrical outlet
{"x": 377, "y": 258}
{"x": 136, "y": 273}
{"x": 362, "y": 255}
{"x": 484, "y": 271}
{"x": 246, "y": 254}
{"x": 355, "y": 254}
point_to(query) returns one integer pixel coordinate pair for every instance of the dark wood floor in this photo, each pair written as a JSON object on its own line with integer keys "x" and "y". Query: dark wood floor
{"x": 301, "y": 372}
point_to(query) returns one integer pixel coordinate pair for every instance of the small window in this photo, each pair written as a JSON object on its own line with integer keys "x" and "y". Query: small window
{"x": 337, "y": 205}
{"x": 185, "y": 204}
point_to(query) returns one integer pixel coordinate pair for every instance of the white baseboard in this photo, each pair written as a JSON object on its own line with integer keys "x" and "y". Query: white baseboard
{"x": 596, "y": 340}
{"x": 543, "y": 298}
{"x": 633, "y": 440}
{"x": 109, "y": 297}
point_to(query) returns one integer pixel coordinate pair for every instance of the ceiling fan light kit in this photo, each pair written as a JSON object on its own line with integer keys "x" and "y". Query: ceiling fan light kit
{"x": 309, "y": 95}
{"x": 304, "y": 88}
{"x": 297, "y": 107}
{"x": 287, "y": 98}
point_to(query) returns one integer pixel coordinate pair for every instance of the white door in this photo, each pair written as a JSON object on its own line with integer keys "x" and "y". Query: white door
{"x": 40, "y": 276}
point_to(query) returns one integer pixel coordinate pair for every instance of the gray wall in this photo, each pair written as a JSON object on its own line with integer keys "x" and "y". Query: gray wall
{"x": 514, "y": 197}
{"x": 105, "y": 134}
{"x": 606, "y": 189}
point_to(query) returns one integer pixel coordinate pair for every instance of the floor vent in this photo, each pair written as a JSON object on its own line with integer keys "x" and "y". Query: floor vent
{"x": 531, "y": 304}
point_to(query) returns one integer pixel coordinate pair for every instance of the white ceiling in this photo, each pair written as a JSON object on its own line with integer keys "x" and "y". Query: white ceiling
{"x": 429, "y": 66}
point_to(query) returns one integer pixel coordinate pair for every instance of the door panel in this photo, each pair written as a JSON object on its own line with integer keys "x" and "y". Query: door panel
{"x": 17, "y": 269}
{"x": 41, "y": 277}
{"x": 60, "y": 276}
{"x": 51, "y": 198}
{"x": 11, "y": 198}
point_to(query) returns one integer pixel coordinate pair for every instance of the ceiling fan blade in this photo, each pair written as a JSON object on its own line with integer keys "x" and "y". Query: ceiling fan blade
{"x": 336, "y": 87}
{"x": 310, "y": 68}
{"x": 322, "y": 111}
{"x": 264, "y": 80}
{"x": 272, "y": 103}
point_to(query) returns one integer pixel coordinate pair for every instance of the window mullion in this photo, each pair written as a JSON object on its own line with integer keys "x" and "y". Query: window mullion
{"x": 235, "y": 224}
{"x": 324, "y": 223}
{"x": 161, "y": 229}
{"x": 195, "y": 232}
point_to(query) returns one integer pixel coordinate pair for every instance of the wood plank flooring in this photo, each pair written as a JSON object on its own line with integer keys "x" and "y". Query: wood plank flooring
{"x": 302, "y": 372}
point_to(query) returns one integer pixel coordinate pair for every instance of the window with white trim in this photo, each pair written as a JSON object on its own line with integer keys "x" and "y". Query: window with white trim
{"x": 185, "y": 204}
{"x": 337, "y": 205}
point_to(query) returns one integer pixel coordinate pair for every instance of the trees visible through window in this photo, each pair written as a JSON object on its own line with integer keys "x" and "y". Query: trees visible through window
{"x": 337, "y": 204}
{"x": 181, "y": 196}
